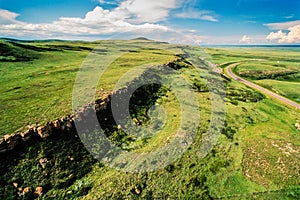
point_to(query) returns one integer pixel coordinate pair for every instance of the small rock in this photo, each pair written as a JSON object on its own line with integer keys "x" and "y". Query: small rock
{"x": 3, "y": 146}
{"x": 43, "y": 162}
{"x": 26, "y": 190}
{"x": 44, "y": 131}
{"x": 38, "y": 191}
{"x": 56, "y": 124}
{"x": 70, "y": 158}
{"x": 27, "y": 135}
{"x": 69, "y": 124}
{"x": 137, "y": 190}
{"x": 12, "y": 140}
{"x": 297, "y": 125}
{"x": 15, "y": 185}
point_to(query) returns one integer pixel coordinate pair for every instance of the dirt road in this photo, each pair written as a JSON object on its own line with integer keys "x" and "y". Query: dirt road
{"x": 259, "y": 88}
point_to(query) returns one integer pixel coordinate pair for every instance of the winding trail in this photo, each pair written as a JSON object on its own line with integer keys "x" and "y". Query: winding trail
{"x": 273, "y": 95}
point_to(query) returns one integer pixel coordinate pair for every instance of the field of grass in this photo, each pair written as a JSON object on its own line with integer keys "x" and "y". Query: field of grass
{"x": 40, "y": 89}
{"x": 224, "y": 55}
{"x": 277, "y": 69}
{"x": 256, "y": 155}
{"x": 285, "y": 88}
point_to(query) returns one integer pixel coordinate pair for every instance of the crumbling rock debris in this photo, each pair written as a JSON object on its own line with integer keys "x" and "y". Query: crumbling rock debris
{"x": 3, "y": 146}
{"x": 12, "y": 141}
{"x": 297, "y": 125}
{"x": 44, "y": 131}
{"x": 27, "y": 135}
{"x": 137, "y": 190}
{"x": 43, "y": 162}
{"x": 62, "y": 125}
{"x": 26, "y": 190}
{"x": 38, "y": 191}
{"x": 15, "y": 185}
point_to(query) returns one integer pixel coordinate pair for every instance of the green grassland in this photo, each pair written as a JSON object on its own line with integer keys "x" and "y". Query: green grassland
{"x": 256, "y": 156}
{"x": 280, "y": 77}
{"x": 31, "y": 89}
{"x": 277, "y": 69}
{"x": 223, "y": 55}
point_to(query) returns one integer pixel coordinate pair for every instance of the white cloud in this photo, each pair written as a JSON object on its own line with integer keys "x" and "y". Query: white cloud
{"x": 276, "y": 35}
{"x": 203, "y": 15}
{"x": 8, "y": 17}
{"x": 145, "y": 10}
{"x": 283, "y": 25}
{"x": 293, "y": 35}
{"x": 246, "y": 39}
{"x": 130, "y": 16}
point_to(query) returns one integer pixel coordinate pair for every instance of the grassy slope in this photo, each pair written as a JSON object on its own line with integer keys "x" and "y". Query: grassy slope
{"x": 30, "y": 90}
{"x": 256, "y": 156}
{"x": 40, "y": 90}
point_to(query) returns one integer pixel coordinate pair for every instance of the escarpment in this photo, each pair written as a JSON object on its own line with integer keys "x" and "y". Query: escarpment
{"x": 101, "y": 107}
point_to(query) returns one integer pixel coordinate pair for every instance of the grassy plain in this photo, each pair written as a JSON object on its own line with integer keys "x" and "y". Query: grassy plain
{"x": 277, "y": 69}
{"x": 31, "y": 89}
{"x": 256, "y": 156}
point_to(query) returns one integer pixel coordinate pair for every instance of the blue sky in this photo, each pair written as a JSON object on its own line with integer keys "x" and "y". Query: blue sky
{"x": 198, "y": 21}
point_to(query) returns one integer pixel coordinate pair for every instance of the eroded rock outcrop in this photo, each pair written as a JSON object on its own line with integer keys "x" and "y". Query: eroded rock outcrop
{"x": 67, "y": 123}
{"x": 58, "y": 126}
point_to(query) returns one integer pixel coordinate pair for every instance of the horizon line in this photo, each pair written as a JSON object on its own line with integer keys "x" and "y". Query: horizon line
{"x": 200, "y": 44}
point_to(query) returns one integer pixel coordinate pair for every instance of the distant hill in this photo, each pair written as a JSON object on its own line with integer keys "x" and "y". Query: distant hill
{"x": 12, "y": 51}
{"x": 31, "y": 41}
{"x": 141, "y": 38}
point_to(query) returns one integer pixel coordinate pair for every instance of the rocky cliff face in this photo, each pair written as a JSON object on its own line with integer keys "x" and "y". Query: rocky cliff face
{"x": 66, "y": 124}
{"x": 59, "y": 126}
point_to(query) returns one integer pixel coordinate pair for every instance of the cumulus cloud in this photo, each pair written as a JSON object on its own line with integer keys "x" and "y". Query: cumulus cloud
{"x": 203, "y": 15}
{"x": 246, "y": 39}
{"x": 130, "y": 16}
{"x": 283, "y": 25}
{"x": 292, "y": 36}
{"x": 145, "y": 10}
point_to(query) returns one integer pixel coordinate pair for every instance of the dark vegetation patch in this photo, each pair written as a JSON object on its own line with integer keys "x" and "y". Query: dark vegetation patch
{"x": 141, "y": 38}
{"x": 229, "y": 131}
{"x": 227, "y": 55}
{"x": 10, "y": 52}
{"x": 34, "y": 48}
{"x": 53, "y": 164}
{"x": 180, "y": 63}
{"x": 244, "y": 95}
{"x": 272, "y": 74}
{"x": 200, "y": 86}
{"x": 69, "y": 47}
